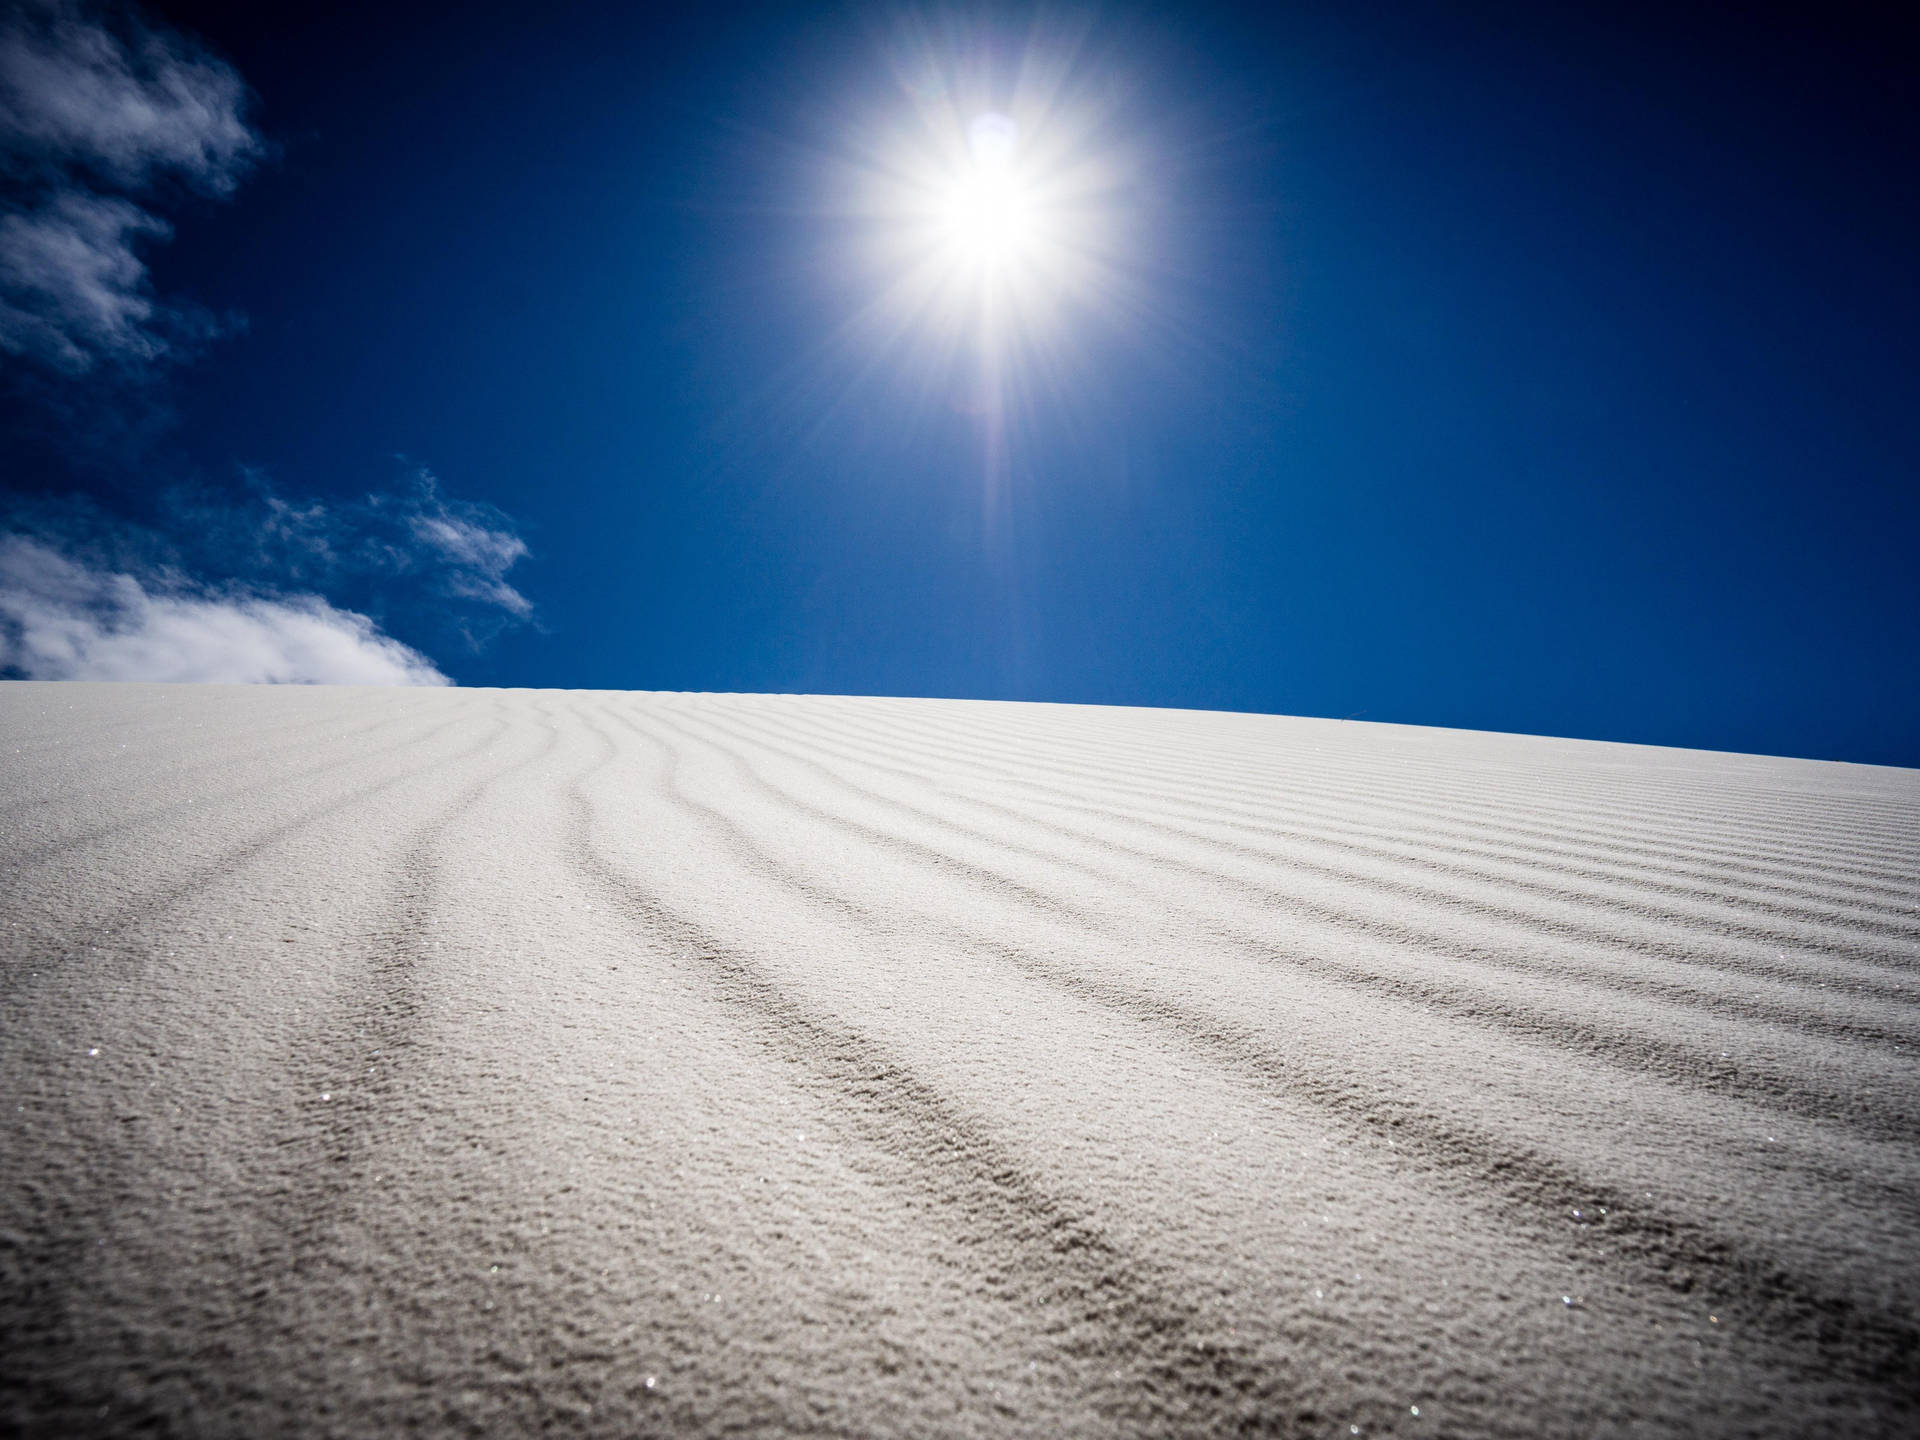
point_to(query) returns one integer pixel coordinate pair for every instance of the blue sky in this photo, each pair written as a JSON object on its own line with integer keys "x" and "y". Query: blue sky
{"x": 1548, "y": 373}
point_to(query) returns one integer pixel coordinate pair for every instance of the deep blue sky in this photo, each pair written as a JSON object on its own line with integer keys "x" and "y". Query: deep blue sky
{"x": 1513, "y": 371}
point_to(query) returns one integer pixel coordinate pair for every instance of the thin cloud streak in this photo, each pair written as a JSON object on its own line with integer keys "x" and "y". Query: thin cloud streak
{"x": 477, "y": 559}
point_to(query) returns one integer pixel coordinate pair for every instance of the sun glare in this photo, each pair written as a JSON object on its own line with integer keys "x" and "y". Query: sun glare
{"x": 989, "y": 213}
{"x": 993, "y": 182}
{"x": 992, "y": 187}
{"x": 989, "y": 218}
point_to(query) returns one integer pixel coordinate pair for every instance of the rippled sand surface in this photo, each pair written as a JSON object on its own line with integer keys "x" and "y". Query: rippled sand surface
{"x": 509, "y": 1062}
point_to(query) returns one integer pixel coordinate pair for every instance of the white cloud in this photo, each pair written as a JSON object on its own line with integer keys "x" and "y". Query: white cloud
{"x": 71, "y": 286}
{"x": 74, "y": 94}
{"x": 62, "y": 619}
{"x": 85, "y": 594}
{"x": 86, "y": 113}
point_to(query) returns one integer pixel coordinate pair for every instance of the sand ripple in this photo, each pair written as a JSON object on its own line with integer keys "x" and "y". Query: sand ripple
{"x": 497, "y": 1062}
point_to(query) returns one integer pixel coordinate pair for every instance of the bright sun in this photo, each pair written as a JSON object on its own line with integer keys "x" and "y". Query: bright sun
{"x": 990, "y": 192}
{"x": 991, "y": 220}
{"x": 989, "y": 213}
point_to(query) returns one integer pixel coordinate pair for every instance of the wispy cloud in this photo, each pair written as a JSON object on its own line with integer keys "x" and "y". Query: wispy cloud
{"x": 71, "y": 286}
{"x": 62, "y": 618}
{"x": 474, "y": 545}
{"x": 416, "y": 546}
{"x": 92, "y": 116}
{"x": 75, "y": 95}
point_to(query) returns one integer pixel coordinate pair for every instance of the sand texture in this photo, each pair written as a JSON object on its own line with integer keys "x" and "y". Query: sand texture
{"x": 469, "y": 1062}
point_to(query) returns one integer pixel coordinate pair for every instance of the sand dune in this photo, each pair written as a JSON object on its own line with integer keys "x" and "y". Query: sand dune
{"x": 454, "y": 1062}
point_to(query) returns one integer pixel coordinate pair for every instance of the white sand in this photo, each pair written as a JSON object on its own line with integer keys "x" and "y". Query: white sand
{"x": 482, "y": 1062}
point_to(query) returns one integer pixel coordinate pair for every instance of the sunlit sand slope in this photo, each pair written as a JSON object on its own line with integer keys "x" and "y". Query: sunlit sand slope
{"x": 479, "y": 1062}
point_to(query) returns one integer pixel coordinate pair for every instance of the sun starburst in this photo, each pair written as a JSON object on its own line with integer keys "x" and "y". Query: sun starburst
{"x": 984, "y": 198}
